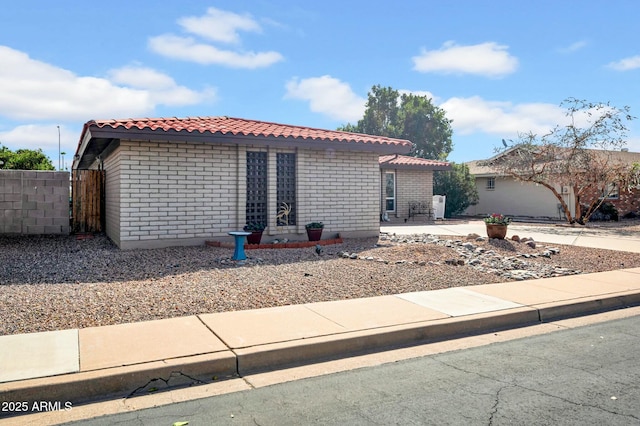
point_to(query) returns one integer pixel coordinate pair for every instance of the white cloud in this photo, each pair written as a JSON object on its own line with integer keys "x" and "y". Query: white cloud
{"x": 329, "y": 96}
{"x": 162, "y": 88}
{"x": 35, "y": 90}
{"x": 626, "y": 64}
{"x": 474, "y": 114}
{"x": 44, "y": 136}
{"x": 633, "y": 144}
{"x": 487, "y": 59}
{"x": 573, "y": 47}
{"x": 187, "y": 49}
{"x": 219, "y": 25}
{"x": 426, "y": 93}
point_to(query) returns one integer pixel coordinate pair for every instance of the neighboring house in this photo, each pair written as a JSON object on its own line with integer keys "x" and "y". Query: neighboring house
{"x": 407, "y": 186}
{"x": 181, "y": 181}
{"x": 502, "y": 194}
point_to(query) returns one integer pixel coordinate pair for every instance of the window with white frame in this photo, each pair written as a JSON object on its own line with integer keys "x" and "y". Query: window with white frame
{"x": 491, "y": 184}
{"x": 390, "y": 191}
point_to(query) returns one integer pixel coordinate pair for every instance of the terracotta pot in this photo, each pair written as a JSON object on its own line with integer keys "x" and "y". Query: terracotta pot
{"x": 496, "y": 231}
{"x": 314, "y": 234}
{"x": 254, "y": 238}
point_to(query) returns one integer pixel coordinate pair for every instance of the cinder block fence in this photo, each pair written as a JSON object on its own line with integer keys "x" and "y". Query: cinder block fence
{"x": 34, "y": 202}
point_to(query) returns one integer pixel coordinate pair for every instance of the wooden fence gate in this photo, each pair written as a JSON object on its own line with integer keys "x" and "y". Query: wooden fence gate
{"x": 87, "y": 201}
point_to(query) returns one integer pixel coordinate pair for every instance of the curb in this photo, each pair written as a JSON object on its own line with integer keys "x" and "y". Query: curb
{"x": 140, "y": 379}
{"x": 121, "y": 382}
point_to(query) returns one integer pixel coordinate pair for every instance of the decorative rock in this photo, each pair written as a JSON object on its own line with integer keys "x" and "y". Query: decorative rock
{"x": 473, "y": 236}
{"x": 514, "y": 267}
{"x": 515, "y": 238}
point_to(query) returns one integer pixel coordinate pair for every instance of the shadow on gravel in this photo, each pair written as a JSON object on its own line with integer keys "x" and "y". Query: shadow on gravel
{"x": 65, "y": 259}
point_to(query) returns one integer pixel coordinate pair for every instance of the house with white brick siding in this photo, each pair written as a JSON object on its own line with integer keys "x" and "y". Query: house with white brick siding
{"x": 182, "y": 181}
{"x": 406, "y": 190}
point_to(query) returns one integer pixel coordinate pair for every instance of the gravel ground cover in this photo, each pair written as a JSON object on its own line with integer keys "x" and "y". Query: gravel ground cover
{"x": 53, "y": 283}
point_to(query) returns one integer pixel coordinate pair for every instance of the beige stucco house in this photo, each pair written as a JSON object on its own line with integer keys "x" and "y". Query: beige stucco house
{"x": 406, "y": 187}
{"x": 181, "y": 181}
{"x": 503, "y": 194}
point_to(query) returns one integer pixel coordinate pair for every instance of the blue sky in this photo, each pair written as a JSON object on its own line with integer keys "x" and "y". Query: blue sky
{"x": 496, "y": 67}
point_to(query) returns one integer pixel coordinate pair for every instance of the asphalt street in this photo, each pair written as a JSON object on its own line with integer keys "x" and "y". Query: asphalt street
{"x": 584, "y": 376}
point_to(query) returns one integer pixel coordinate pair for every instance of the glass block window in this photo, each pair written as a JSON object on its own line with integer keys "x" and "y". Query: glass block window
{"x": 286, "y": 189}
{"x": 257, "y": 187}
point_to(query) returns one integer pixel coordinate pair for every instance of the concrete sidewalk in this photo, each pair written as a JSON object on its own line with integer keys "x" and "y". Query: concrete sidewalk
{"x": 602, "y": 238}
{"x": 129, "y": 359}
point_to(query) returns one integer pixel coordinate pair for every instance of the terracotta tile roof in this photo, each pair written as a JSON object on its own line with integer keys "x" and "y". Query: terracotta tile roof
{"x": 407, "y": 162}
{"x": 243, "y": 127}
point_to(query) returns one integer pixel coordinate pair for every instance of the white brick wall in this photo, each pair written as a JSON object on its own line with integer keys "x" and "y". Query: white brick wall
{"x": 341, "y": 190}
{"x": 413, "y": 186}
{"x": 175, "y": 193}
{"x": 184, "y": 193}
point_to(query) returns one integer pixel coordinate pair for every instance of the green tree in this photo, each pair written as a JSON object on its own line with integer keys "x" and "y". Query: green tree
{"x": 409, "y": 116}
{"x": 426, "y": 126}
{"x": 5, "y": 155}
{"x": 459, "y": 186}
{"x": 24, "y": 159}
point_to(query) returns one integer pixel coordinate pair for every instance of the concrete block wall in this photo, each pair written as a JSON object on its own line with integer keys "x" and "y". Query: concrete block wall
{"x": 34, "y": 202}
{"x": 174, "y": 193}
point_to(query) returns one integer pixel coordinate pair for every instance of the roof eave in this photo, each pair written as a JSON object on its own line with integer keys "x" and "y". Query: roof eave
{"x": 162, "y": 135}
{"x": 435, "y": 167}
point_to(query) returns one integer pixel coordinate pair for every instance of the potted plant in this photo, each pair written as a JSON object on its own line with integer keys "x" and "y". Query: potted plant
{"x": 497, "y": 225}
{"x": 256, "y": 229}
{"x": 314, "y": 230}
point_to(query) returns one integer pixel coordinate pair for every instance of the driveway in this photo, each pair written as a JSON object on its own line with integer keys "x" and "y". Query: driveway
{"x": 610, "y": 238}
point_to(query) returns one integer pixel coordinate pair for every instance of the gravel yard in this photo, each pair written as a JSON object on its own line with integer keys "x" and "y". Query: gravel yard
{"x": 53, "y": 283}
